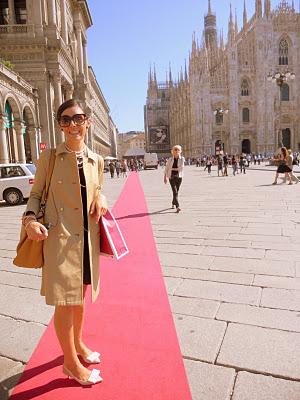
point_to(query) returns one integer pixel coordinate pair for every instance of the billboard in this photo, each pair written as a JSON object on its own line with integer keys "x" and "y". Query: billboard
{"x": 159, "y": 135}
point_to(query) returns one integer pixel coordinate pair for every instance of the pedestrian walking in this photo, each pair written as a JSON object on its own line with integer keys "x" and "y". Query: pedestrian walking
{"x": 283, "y": 168}
{"x": 220, "y": 165}
{"x": 234, "y": 165}
{"x": 71, "y": 245}
{"x": 242, "y": 164}
{"x": 174, "y": 173}
{"x": 208, "y": 165}
{"x": 124, "y": 169}
{"x": 225, "y": 162}
{"x": 112, "y": 169}
{"x": 118, "y": 168}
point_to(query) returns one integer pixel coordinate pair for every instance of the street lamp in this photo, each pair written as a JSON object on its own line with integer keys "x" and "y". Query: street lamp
{"x": 219, "y": 112}
{"x": 280, "y": 78}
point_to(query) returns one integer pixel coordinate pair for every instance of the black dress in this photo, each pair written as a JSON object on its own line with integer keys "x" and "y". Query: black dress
{"x": 86, "y": 254}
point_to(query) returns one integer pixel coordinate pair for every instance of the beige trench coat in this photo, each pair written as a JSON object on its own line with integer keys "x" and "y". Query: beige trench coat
{"x": 62, "y": 273}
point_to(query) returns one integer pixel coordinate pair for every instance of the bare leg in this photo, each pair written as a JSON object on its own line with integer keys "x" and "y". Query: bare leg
{"x": 64, "y": 327}
{"x": 276, "y": 177}
{"x": 81, "y": 348}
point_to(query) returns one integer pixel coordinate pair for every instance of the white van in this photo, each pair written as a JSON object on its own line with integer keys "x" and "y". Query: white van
{"x": 150, "y": 160}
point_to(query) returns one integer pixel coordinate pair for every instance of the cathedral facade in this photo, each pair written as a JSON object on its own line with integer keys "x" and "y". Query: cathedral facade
{"x": 239, "y": 96}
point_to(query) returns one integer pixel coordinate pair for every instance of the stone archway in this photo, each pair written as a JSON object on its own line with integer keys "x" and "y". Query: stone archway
{"x": 286, "y": 138}
{"x": 14, "y": 139}
{"x": 246, "y": 146}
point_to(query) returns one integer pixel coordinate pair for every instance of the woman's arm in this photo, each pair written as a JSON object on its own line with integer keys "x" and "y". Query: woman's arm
{"x": 99, "y": 204}
{"x": 33, "y": 204}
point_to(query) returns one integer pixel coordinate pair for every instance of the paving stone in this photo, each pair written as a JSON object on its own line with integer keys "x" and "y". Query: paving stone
{"x": 6, "y": 264}
{"x": 167, "y": 234}
{"x": 185, "y": 260}
{"x": 263, "y": 267}
{"x": 218, "y": 276}
{"x": 10, "y": 373}
{"x": 226, "y": 243}
{"x": 20, "y": 280}
{"x": 179, "y": 248}
{"x": 260, "y": 238}
{"x": 260, "y": 387}
{"x": 259, "y": 316}
{"x": 199, "y": 338}
{"x": 234, "y": 252}
{"x": 281, "y": 298}
{"x": 262, "y": 350}
{"x": 209, "y": 382}
{"x": 194, "y": 307}
{"x": 298, "y": 269}
{"x": 8, "y": 245}
{"x": 282, "y": 255}
{"x": 219, "y": 291}
{"x": 18, "y": 339}
{"x": 24, "y": 304}
{"x": 277, "y": 282}
{"x": 172, "y": 284}
{"x": 179, "y": 241}
{"x": 174, "y": 272}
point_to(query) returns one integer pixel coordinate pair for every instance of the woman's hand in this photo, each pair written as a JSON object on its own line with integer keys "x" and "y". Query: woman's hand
{"x": 36, "y": 231}
{"x": 98, "y": 207}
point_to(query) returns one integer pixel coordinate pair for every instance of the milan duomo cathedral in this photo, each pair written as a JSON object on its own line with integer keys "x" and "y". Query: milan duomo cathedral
{"x": 226, "y": 97}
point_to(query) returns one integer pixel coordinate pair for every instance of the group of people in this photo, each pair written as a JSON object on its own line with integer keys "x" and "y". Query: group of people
{"x": 121, "y": 168}
{"x": 238, "y": 162}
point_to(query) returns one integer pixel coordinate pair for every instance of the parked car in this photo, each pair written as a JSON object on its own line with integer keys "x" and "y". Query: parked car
{"x": 16, "y": 181}
{"x": 150, "y": 160}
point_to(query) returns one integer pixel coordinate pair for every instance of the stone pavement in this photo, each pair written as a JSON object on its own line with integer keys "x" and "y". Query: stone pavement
{"x": 231, "y": 263}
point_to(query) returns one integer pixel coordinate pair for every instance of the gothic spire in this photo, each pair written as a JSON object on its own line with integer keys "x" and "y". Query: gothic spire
{"x": 236, "y": 27}
{"x": 185, "y": 71}
{"x": 230, "y": 27}
{"x": 245, "y": 17}
{"x": 267, "y": 8}
{"x": 258, "y": 8}
{"x": 209, "y": 8}
{"x": 170, "y": 74}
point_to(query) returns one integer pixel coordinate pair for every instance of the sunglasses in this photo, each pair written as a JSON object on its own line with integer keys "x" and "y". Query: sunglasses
{"x": 176, "y": 149}
{"x": 78, "y": 119}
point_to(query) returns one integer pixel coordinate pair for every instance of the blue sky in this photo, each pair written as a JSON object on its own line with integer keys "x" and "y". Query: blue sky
{"x": 128, "y": 35}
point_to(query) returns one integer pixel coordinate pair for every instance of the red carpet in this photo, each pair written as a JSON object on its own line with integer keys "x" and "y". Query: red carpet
{"x": 131, "y": 326}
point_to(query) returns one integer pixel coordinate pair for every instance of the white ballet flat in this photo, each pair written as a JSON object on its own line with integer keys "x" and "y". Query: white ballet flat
{"x": 93, "y": 358}
{"x": 92, "y": 380}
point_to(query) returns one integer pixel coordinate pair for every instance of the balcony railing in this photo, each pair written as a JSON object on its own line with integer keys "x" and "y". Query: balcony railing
{"x": 17, "y": 28}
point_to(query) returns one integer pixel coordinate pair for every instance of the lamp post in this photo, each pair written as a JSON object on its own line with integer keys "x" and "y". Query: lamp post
{"x": 220, "y": 112}
{"x": 280, "y": 78}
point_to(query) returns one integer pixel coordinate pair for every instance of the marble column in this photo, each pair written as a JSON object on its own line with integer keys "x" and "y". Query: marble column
{"x": 64, "y": 25}
{"x": 57, "y": 102}
{"x": 11, "y": 11}
{"x": 19, "y": 127}
{"x": 69, "y": 91}
{"x": 79, "y": 50}
{"x": 34, "y": 143}
{"x": 85, "y": 61}
{"x": 4, "y": 157}
{"x": 51, "y": 12}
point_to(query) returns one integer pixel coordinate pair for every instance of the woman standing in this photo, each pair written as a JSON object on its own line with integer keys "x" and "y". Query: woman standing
{"x": 174, "y": 172}
{"x": 283, "y": 168}
{"x": 71, "y": 247}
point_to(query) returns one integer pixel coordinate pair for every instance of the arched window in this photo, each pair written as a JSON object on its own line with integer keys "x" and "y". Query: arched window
{"x": 219, "y": 118}
{"x": 246, "y": 115}
{"x": 245, "y": 88}
{"x": 21, "y": 12}
{"x": 285, "y": 92}
{"x": 283, "y": 52}
{"x": 4, "y": 19}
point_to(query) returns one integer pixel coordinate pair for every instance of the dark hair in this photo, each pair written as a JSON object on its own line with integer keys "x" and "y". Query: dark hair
{"x": 284, "y": 151}
{"x": 71, "y": 103}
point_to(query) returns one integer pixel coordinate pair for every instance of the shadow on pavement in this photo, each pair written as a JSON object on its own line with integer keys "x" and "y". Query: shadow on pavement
{"x": 147, "y": 214}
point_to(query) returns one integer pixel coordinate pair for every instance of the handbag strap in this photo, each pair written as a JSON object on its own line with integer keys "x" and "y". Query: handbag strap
{"x": 48, "y": 178}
